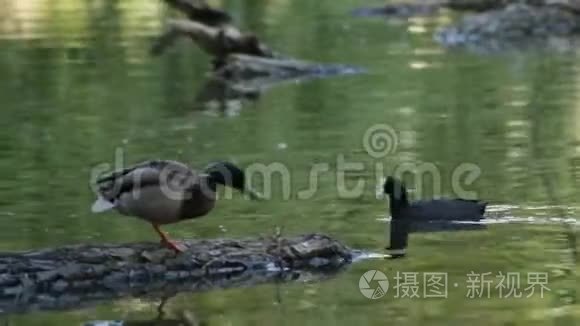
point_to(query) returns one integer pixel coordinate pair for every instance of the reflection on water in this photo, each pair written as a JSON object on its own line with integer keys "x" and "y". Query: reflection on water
{"x": 183, "y": 318}
{"x": 163, "y": 318}
{"x": 78, "y": 83}
{"x": 220, "y": 95}
{"x": 501, "y": 214}
{"x": 44, "y": 297}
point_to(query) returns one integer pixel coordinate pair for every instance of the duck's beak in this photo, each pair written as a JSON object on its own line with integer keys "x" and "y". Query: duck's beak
{"x": 254, "y": 195}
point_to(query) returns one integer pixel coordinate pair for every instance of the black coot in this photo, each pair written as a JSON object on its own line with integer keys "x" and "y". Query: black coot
{"x": 404, "y": 213}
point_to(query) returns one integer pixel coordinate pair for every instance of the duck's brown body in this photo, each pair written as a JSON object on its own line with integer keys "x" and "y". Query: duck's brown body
{"x": 160, "y": 192}
{"x": 153, "y": 206}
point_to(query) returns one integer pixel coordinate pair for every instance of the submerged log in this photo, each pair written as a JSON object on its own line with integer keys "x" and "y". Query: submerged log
{"x": 267, "y": 71}
{"x": 74, "y": 276}
{"x": 244, "y": 78}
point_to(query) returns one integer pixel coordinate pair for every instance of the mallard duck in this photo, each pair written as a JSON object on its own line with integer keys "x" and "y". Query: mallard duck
{"x": 164, "y": 192}
{"x": 404, "y": 213}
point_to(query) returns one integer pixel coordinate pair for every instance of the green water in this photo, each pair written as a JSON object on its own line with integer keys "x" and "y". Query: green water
{"x": 77, "y": 86}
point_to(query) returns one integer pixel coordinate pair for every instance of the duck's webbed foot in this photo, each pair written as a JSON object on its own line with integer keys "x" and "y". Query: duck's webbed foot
{"x": 172, "y": 245}
{"x": 165, "y": 240}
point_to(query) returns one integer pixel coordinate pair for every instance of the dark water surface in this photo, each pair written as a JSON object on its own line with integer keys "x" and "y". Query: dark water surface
{"x": 77, "y": 86}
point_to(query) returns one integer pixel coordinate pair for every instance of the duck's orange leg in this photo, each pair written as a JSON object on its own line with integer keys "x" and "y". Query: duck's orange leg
{"x": 165, "y": 240}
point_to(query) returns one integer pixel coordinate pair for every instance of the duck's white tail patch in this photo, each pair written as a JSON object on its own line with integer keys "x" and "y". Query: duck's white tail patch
{"x": 102, "y": 205}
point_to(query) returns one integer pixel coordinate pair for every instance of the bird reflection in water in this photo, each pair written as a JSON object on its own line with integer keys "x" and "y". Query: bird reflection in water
{"x": 182, "y": 318}
{"x": 400, "y": 231}
{"x": 224, "y": 98}
{"x": 444, "y": 214}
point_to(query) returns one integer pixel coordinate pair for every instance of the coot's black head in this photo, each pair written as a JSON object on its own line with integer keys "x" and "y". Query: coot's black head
{"x": 227, "y": 174}
{"x": 395, "y": 188}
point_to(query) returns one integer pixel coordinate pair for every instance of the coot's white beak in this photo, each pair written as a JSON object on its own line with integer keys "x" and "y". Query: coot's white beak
{"x": 379, "y": 190}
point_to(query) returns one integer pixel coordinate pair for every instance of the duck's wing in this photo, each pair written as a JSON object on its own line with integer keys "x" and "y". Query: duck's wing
{"x": 142, "y": 175}
{"x": 447, "y": 210}
{"x": 481, "y": 205}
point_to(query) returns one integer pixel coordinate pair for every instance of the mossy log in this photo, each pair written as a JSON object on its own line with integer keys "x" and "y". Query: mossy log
{"x": 73, "y": 276}
{"x": 517, "y": 26}
{"x": 218, "y": 42}
{"x": 433, "y": 7}
{"x": 486, "y": 5}
{"x": 237, "y": 55}
{"x": 213, "y": 31}
{"x": 200, "y": 11}
{"x": 405, "y": 9}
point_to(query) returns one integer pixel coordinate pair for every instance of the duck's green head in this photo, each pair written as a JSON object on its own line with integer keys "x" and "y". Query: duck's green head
{"x": 228, "y": 174}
